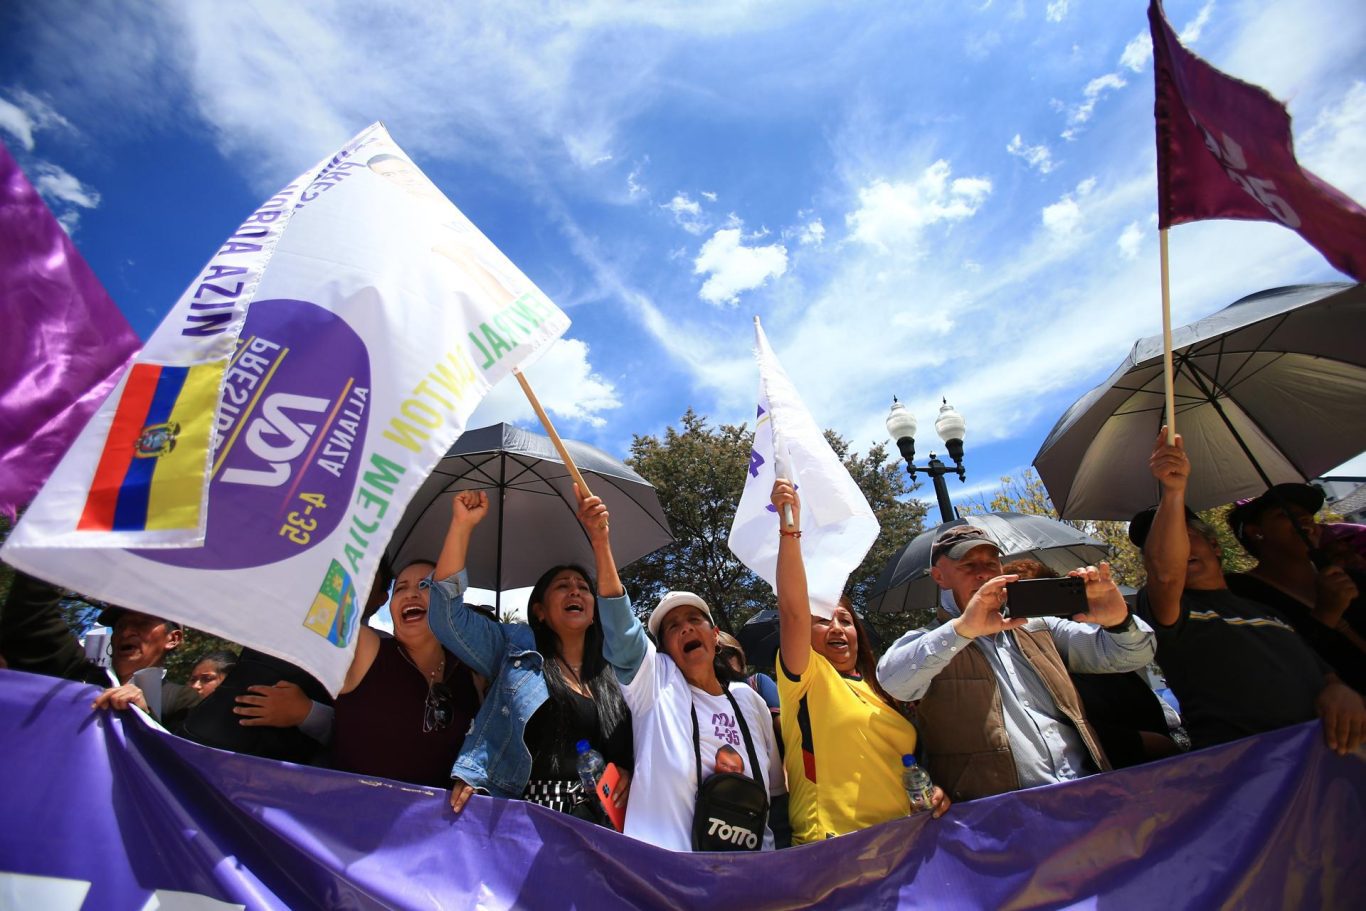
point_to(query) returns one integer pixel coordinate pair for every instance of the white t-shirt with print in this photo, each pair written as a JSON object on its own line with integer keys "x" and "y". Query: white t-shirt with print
{"x": 664, "y": 787}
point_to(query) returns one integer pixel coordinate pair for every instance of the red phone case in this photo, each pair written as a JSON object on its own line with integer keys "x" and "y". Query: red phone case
{"x": 607, "y": 789}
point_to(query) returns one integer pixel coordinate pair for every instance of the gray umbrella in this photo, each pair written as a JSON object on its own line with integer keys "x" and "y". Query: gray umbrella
{"x": 532, "y": 523}
{"x": 905, "y": 583}
{"x": 1269, "y": 389}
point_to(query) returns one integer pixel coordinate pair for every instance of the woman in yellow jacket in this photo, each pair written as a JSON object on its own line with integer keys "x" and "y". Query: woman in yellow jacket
{"x": 844, "y": 736}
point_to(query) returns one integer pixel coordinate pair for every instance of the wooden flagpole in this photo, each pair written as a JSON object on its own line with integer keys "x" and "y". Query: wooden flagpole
{"x": 1168, "y": 381}
{"x": 550, "y": 431}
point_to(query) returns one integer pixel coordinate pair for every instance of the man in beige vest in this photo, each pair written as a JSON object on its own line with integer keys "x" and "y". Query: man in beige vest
{"x": 997, "y": 709}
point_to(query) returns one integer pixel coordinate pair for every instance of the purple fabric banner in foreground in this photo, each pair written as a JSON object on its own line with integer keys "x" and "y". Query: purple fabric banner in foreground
{"x": 114, "y": 812}
{"x": 63, "y": 344}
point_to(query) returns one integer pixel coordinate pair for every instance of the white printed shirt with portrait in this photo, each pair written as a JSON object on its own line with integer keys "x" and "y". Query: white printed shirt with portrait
{"x": 664, "y": 789}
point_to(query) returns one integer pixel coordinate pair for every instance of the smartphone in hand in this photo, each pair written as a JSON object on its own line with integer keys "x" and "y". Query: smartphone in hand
{"x": 1065, "y": 597}
{"x": 607, "y": 796}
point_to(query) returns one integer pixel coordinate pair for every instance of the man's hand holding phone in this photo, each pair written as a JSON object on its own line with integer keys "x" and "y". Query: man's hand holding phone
{"x": 1105, "y": 605}
{"x": 982, "y": 616}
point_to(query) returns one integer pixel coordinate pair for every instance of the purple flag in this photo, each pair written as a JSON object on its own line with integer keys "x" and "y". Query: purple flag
{"x": 64, "y": 344}
{"x": 1224, "y": 150}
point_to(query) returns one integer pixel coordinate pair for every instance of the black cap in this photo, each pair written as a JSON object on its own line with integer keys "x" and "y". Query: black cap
{"x": 955, "y": 542}
{"x": 1142, "y": 523}
{"x": 1305, "y": 496}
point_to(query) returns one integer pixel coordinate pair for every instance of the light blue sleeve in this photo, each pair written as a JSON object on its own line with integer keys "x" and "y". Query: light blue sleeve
{"x": 1089, "y": 649}
{"x": 318, "y": 724}
{"x": 910, "y": 665}
{"x": 624, "y": 641}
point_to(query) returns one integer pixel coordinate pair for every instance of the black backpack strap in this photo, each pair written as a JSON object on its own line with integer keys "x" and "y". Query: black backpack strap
{"x": 696, "y": 741}
{"x": 744, "y": 732}
{"x": 749, "y": 741}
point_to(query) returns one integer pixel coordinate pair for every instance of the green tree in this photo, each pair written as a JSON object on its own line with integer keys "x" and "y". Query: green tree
{"x": 698, "y": 472}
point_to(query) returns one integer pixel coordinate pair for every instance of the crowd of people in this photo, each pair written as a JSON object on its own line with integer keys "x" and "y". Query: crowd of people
{"x": 704, "y": 754}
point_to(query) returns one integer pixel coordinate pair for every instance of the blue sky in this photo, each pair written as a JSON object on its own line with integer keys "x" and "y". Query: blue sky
{"x": 919, "y": 199}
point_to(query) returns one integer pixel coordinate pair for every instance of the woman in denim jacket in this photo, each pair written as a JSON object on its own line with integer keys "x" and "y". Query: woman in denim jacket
{"x": 549, "y": 685}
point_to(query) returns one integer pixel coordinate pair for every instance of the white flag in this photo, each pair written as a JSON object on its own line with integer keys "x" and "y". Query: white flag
{"x": 838, "y": 525}
{"x": 286, "y": 410}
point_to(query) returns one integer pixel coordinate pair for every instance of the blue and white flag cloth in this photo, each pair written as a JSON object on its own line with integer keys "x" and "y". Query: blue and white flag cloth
{"x": 247, "y": 473}
{"x": 838, "y": 525}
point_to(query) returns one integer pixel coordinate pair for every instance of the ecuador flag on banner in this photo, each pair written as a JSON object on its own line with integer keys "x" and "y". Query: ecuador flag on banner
{"x": 151, "y": 472}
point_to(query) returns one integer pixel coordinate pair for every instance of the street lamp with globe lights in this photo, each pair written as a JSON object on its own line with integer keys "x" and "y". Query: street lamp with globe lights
{"x": 951, "y": 428}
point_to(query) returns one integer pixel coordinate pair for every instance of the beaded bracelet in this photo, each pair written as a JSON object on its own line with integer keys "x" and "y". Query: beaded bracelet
{"x": 789, "y": 534}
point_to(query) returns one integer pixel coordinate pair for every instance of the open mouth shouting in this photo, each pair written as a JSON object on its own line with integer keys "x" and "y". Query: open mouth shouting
{"x": 413, "y": 612}
{"x": 837, "y": 643}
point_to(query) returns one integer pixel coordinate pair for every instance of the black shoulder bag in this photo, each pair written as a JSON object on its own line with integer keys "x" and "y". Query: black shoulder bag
{"x": 732, "y": 809}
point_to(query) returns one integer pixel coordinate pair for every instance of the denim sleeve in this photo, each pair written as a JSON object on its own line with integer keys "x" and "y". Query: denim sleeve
{"x": 472, "y": 637}
{"x": 624, "y": 641}
{"x": 910, "y": 665}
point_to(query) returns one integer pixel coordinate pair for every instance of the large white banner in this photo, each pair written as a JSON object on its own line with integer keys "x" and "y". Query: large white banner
{"x": 838, "y": 525}
{"x": 329, "y": 354}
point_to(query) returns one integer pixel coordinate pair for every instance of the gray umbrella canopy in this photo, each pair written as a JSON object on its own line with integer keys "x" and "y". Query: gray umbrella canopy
{"x": 532, "y": 522}
{"x": 1269, "y": 389}
{"x": 905, "y": 583}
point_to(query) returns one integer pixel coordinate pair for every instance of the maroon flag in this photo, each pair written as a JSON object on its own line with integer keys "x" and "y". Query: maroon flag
{"x": 63, "y": 342}
{"x": 1224, "y": 150}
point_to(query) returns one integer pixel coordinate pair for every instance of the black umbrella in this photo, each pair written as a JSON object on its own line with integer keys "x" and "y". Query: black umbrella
{"x": 905, "y": 583}
{"x": 532, "y": 522}
{"x": 1269, "y": 389}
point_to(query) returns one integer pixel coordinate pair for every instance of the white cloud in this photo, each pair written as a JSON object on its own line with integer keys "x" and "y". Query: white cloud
{"x": 587, "y": 151}
{"x": 732, "y": 268}
{"x": 1191, "y": 32}
{"x": 1063, "y": 218}
{"x": 1130, "y": 241}
{"x": 1137, "y": 52}
{"x": 708, "y": 196}
{"x": 1095, "y": 90}
{"x": 28, "y": 114}
{"x": 892, "y": 215}
{"x": 980, "y": 46}
{"x": 634, "y": 187}
{"x": 1334, "y": 146}
{"x": 57, "y": 185}
{"x": 1038, "y": 157}
{"x": 687, "y": 213}
{"x": 564, "y": 382}
{"x": 15, "y": 121}
{"x": 1056, "y": 11}
{"x": 811, "y": 233}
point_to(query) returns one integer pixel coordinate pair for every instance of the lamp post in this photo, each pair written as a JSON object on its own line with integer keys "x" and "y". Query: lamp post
{"x": 951, "y": 429}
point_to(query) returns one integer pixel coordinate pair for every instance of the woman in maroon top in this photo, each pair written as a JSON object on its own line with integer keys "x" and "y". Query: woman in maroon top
{"x": 407, "y": 702}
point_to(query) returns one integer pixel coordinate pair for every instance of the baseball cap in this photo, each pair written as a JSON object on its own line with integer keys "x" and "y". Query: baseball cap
{"x": 668, "y": 603}
{"x": 1305, "y": 496}
{"x": 1142, "y": 523}
{"x": 110, "y": 617}
{"x": 957, "y": 541}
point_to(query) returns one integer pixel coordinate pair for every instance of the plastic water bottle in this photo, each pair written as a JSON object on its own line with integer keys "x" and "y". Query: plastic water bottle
{"x": 590, "y": 766}
{"x": 917, "y": 783}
